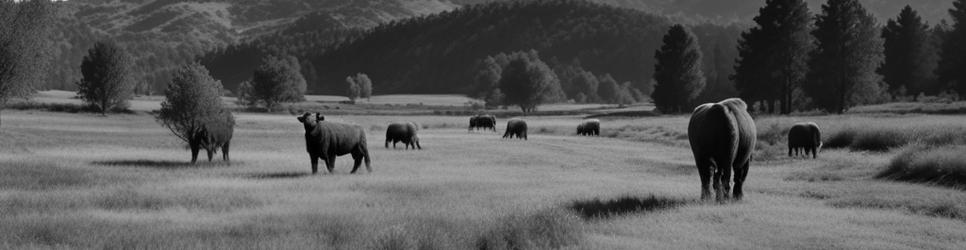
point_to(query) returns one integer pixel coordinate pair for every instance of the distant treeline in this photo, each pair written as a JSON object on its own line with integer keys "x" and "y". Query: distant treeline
{"x": 439, "y": 53}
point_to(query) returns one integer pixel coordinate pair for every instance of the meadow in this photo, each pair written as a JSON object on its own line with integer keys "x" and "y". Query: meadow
{"x": 81, "y": 180}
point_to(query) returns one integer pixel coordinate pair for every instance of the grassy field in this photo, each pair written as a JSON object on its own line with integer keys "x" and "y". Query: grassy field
{"x": 86, "y": 181}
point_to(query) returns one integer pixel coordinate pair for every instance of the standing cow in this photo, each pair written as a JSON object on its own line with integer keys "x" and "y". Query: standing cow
{"x": 516, "y": 127}
{"x": 722, "y": 137}
{"x": 403, "y": 132}
{"x": 804, "y": 138}
{"x": 483, "y": 122}
{"x": 214, "y": 134}
{"x": 589, "y": 127}
{"x": 326, "y": 140}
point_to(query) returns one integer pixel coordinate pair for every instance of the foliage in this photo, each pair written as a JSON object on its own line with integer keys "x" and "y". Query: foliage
{"x": 192, "y": 100}
{"x": 953, "y": 57}
{"x": 907, "y": 54}
{"x": 848, "y": 50}
{"x": 365, "y": 85}
{"x": 528, "y": 82}
{"x": 24, "y": 46}
{"x": 276, "y": 81}
{"x": 353, "y": 91}
{"x": 678, "y": 71}
{"x": 773, "y": 55}
{"x": 108, "y": 82}
{"x": 939, "y": 165}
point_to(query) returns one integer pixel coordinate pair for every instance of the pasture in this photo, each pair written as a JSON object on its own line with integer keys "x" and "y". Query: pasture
{"x": 122, "y": 181}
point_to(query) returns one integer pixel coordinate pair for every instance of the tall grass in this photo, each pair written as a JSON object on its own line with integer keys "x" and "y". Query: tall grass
{"x": 945, "y": 166}
{"x": 885, "y": 138}
{"x": 546, "y": 229}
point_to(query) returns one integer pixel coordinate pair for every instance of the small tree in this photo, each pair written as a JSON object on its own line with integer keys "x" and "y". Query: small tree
{"x": 365, "y": 86}
{"x": 278, "y": 79}
{"x": 353, "y": 90}
{"x": 625, "y": 95}
{"x": 677, "y": 71}
{"x": 192, "y": 102}
{"x": 107, "y": 81}
{"x": 527, "y": 82}
{"x": 587, "y": 84}
{"x": 608, "y": 90}
{"x": 24, "y": 46}
{"x": 906, "y": 68}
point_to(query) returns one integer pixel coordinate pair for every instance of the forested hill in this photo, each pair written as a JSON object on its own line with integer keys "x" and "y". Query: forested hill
{"x": 437, "y": 53}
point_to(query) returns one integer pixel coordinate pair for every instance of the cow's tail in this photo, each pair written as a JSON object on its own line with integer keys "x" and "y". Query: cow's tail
{"x": 365, "y": 152}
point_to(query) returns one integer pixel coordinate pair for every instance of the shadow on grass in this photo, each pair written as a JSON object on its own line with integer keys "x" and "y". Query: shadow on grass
{"x": 161, "y": 164}
{"x": 282, "y": 175}
{"x": 600, "y": 209}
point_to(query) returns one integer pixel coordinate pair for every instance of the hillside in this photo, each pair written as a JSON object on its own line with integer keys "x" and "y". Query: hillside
{"x": 437, "y": 54}
{"x": 165, "y": 33}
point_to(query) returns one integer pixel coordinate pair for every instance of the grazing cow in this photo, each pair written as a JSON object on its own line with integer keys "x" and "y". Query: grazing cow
{"x": 216, "y": 133}
{"x": 516, "y": 127}
{"x": 804, "y": 138}
{"x": 403, "y": 132}
{"x": 326, "y": 140}
{"x": 483, "y": 122}
{"x": 589, "y": 127}
{"x": 722, "y": 137}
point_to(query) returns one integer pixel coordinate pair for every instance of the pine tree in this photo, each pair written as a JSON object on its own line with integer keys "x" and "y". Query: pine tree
{"x": 107, "y": 81}
{"x": 849, "y": 49}
{"x": 906, "y": 67}
{"x": 773, "y": 56}
{"x": 677, "y": 71}
{"x": 952, "y": 60}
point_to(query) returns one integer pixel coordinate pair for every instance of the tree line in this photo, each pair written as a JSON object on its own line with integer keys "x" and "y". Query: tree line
{"x": 835, "y": 59}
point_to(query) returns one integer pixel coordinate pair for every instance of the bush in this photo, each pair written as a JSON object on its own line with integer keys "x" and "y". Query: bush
{"x": 945, "y": 166}
{"x": 193, "y": 106}
{"x": 107, "y": 81}
{"x": 277, "y": 80}
{"x": 879, "y": 140}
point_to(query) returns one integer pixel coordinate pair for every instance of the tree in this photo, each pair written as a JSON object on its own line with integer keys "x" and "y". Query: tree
{"x": 365, "y": 85}
{"x": 528, "y": 82}
{"x": 773, "y": 55}
{"x": 353, "y": 90}
{"x": 587, "y": 84}
{"x": 487, "y": 77}
{"x": 608, "y": 91}
{"x": 25, "y": 46}
{"x": 276, "y": 80}
{"x": 848, "y": 50}
{"x": 678, "y": 71}
{"x": 192, "y": 104}
{"x": 625, "y": 96}
{"x": 906, "y": 68}
{"x": 107, "y": 81}
{"x": 952, "y": 60}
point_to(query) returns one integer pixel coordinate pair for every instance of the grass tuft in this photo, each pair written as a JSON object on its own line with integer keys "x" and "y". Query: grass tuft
{"x": 546, "y": 229}
{"x": 945, "y": 166}
{"x": 599, "y": 209}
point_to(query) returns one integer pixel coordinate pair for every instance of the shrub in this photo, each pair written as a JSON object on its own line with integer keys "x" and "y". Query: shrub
{"x": 107, "y": 81}
{"x": 599, "y": 209}
{"x": 277, "y": 80}
{"x": 193, "y": 106}
{"x": 944, "y": 166}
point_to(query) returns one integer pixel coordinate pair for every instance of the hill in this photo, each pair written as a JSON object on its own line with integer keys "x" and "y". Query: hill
{"x": 162, "y": 34}
{"x": 437, "y": 53}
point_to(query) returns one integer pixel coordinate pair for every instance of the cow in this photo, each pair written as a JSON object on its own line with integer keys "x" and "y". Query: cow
{"x": 589, "y": 127}
{"x": 722, "y": 137}
{"x": 327, "y": 140}
{"x": 214, "y": 134}
{"x": 482, "y": 122}
{"x": 804, "y": 138}
{"x": 516, "y": 127}
{"x": 403, "y": 132}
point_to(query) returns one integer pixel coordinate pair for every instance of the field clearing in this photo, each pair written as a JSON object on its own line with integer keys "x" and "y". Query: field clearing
{"x": 86, "y": 181}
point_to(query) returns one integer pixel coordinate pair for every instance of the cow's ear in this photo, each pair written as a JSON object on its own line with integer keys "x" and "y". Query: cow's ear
{"x": 301, "y": 119}
{"x": 319, "y": 117}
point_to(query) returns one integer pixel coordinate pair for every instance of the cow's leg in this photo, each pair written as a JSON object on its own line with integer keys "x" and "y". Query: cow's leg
{"x": 725, "y": 181}
{"x": 704, "y": 170}
{"x": 394, "y": 143}
{"x": 814, "y": 152}
{"x": 211, "y": 153}
{"x": 315, "y": 163}
{"x": 790, "y": 149}
{"x": 740, "y": 173}
{"x": 387, "y": 142}
{"x": 330, "y": 162}
{"x": 357, "y": 157}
